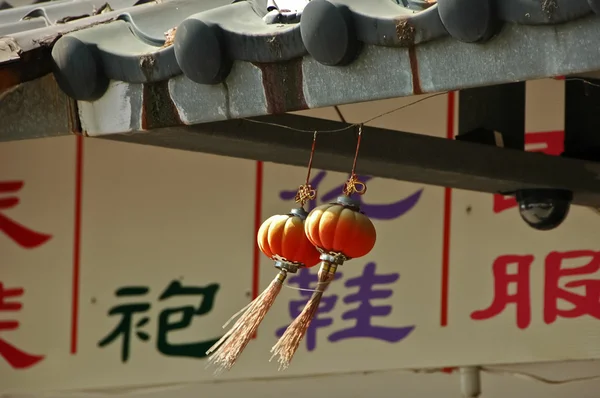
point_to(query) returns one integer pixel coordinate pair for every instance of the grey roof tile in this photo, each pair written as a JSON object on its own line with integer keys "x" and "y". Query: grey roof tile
{"x": 51, "y": 13}
{"x": 214, "y": 38}
{"x": 211, "y": 35}
{"x": 4, "y": 4}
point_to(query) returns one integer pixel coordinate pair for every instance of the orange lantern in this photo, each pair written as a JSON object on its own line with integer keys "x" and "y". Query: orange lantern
{"x": 341, "y": 229}
{"x": 282, "y": 239}
{"x": 340, "y": 232}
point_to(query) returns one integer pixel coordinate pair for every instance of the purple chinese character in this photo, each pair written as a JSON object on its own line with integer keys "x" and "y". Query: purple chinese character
{"x": 307, "y": 280}
{"x": 365, "y": 310}
{"x": 389, "y": 211}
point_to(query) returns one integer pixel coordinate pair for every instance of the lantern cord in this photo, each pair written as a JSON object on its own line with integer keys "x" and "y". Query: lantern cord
{"x": 225, "y": 352}
{"x": 306, "y": 192}
{"x": 321, "y": 287}
{"x": 350, "y": 126}
{"x": 288, "y": 343}
{"x": 310, "y": 160}
{"x": 354, "y": 185}
{"x": 378, "y": 116}
{"x": 360, "y": 126}
{"x": 304, "y": 289}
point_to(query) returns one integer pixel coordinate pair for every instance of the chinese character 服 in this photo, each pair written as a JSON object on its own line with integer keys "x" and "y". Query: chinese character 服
{"x": 23, "y": 236}
{"x": 134, "y": 318}
{"x": 521, "y": 298}
{"x": 389, "y": 211}
{"x": 307, "y": 281}
{"x": 15, "y": 357}
{"x": 365, "y": 310}
{"x": 581, "y": 304}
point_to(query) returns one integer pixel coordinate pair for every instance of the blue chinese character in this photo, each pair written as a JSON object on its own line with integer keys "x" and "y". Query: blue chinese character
{"x": 307, "y": 280}
{"x": 388, "y": 211}
{"x": 363, "y": 313}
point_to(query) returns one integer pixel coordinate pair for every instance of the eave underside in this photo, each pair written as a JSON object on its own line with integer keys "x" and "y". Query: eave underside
{"x": 176, "y": 113}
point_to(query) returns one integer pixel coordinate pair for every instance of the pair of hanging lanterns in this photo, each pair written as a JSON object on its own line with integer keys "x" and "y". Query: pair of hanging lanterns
{"x": 330, "y": 234}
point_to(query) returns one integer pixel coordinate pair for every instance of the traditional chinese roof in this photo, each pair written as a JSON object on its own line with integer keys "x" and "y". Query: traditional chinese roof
{"x": 190, "y": 61}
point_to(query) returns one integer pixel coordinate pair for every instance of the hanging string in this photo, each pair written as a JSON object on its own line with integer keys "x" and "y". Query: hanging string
{"x": 321, "y": 286}
{"x": 357, "y": 147}
{"x": 354, "y": 185}
{"x": 306, "y": 192}
{"x": 399, "y": 108}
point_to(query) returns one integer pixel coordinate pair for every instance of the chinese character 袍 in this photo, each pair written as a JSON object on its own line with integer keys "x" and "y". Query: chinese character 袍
{"x": 19, "y": 233}
{"x": 389, "y": 211}
{"x": 134, "y": 319}
{"x": 361, "y": 314}
{"x": 127, "y": 312}
{"x": 15, "y": 357}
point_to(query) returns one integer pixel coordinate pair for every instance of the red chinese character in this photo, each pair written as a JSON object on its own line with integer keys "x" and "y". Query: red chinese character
{"x": 502, "y": 203}
{"x": 24, "y": 236}
{"x": 582, "y": 304}
{"x": 15, "y": 357}
{"x": 502, "y": 281}
{"x": 550, "y": 143}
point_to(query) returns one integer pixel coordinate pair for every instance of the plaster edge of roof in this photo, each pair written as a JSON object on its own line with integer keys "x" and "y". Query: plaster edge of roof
{"x": 36, "y": 109}
{"x": 332, "y": 32}
{"x": 518, "y": 53}
{"x": 9, "y": 50}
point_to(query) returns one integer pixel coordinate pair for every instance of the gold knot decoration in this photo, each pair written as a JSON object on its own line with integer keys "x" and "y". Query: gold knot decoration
{"x": 305, "y": 193}
{"x": 354, "y": 185}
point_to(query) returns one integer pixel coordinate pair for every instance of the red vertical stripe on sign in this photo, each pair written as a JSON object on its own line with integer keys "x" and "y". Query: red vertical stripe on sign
{"x": 257, "y": 223}
{"x": 447, "y": 216}
{"x": 76, "y": 244}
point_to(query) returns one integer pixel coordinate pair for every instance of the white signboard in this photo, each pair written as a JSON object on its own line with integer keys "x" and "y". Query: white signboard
{"x": 37, "y": 209}
{"x": 128, "y": 259}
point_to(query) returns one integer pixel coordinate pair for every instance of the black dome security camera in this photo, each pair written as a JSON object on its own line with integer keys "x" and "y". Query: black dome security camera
{"x": 544, "y": 209}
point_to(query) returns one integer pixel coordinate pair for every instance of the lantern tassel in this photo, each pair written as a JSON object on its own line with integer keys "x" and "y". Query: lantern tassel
{"x": 289, "y": 342}
{"x": 228, "y": 349}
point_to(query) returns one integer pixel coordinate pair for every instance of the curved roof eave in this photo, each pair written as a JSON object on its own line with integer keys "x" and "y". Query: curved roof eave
{"x": 182, "y": 63}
